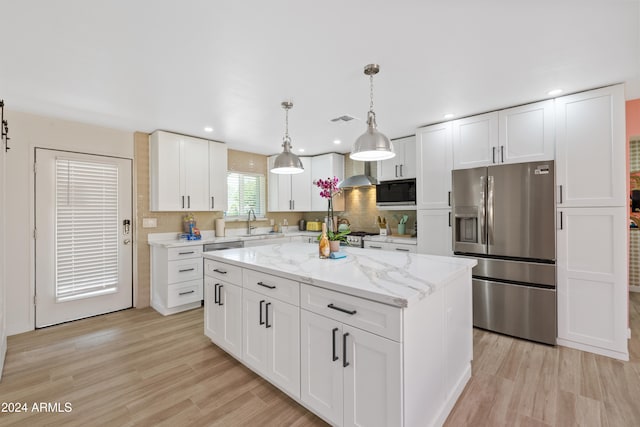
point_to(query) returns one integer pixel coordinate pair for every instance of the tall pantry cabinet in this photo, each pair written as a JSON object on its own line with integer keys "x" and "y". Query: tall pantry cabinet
{"x": 592, "y": 222}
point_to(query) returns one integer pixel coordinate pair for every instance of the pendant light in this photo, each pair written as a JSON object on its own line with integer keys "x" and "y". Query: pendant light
{"x": 372, "y": 145}
{"x": 287, "y": 162}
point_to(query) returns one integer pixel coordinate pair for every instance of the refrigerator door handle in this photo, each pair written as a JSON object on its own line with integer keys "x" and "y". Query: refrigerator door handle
{"x": 483, "y": 212}
{"x": 490, "y": 195}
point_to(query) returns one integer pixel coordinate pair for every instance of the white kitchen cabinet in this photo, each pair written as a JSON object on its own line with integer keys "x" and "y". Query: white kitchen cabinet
{"x": 526, "y": 133}
{"x": 179, "y": 172}
{"x": 435, "y": 232}
{"x": 176, "y": 278}
{"x": 390, "y": 246}
{"x": 590, "y": 148}
{"x": 271, "y": 331}
{"x": 223, "y": 314}
{"x": 474, "y": 140}
{"x": 324, "y": 167}
{"x": 349, "y": 376}
{"x": 403, "y": 164}
{"x": 217, "y": 176}
{"x": 593, "y": 280}
{"x": 290, "y": 192}
{"x": 434, "y": 154}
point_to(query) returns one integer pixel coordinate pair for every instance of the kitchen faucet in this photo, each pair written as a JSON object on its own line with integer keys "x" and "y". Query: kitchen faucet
{"x": 249, "y": 227}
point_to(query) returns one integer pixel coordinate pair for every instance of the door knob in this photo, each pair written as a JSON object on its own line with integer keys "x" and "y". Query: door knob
{"x": 126, "y": 241}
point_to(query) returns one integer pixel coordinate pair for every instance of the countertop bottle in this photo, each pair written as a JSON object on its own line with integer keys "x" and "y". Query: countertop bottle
{"x": 323, "y": 245}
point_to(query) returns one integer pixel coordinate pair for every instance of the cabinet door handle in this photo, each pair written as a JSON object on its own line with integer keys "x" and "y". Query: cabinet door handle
{"x": 189, "y": 202}
{"x": 493, "y": 154}
{"x": 449, "y": 219}
{"x": 396, "y": 171}
{"x": 401, "y": 170}
{"x": 215, "y": 293}
{"x": 261, "y": 302}
{"x": 502, "y": 153}
{"x": 561, "y": 225}
{"x": 560, "y": 194}
{"x": 266, "y": 314}
{"x": 184, "y": 270}
{"x": 186, "y": 253}
{"x": 220, "y": 295}
{"x": 344, "y": 350}
{"x": 375, "y": 247}
{"x": 182, "y": 202}
{"x": 265, "y": 285}
{"x": 402, "y": 250}
{"x": 333, "y": 344}
{"x": 449, "y": 198}
{"x": 344, "y": 310}
{"x": 212, "y": 203}
{"x": 219, "y": 271}
{"x": 293, "y": 203}
{"x": 186, "y": 293}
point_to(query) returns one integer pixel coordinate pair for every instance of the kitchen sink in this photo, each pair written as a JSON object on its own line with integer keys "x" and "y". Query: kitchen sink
{"x": 261, "y": 235}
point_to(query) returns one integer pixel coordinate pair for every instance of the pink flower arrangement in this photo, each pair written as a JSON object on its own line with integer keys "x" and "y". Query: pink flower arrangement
{"x": 328, "y": 189}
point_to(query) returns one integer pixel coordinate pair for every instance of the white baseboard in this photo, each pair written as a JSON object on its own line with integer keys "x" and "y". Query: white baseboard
{"x": 634, "y": 288}
{"x": 624, "y": 356}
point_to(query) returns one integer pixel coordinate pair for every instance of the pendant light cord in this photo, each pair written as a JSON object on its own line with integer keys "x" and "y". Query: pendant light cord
{"x": 371, "y": 92}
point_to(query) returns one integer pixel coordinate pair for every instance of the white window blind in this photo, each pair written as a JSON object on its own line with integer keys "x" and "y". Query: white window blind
{"x": 245, "y": 191}
{"x": 86, "y": 228}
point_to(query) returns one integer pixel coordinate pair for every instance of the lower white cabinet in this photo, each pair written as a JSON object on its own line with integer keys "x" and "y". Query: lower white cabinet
{"x": 388, "y": 246}
{"x": 435, "y": 232}
{"x": 223, "y": 314}
{"x": 271, "y": 333}
{"x": 593, "y": 280}
{"x": 349, "y": 376}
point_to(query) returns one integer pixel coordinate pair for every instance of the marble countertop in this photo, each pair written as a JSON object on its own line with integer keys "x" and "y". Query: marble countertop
{"x": 392, "y": 239}
{"x": 394, "y": 278}
{"x": 171, "y": 240}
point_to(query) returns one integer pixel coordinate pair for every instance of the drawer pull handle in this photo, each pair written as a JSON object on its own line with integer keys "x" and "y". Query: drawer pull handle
{"x": 186, "y": 253}
{"x": 187, "y": 292}
{"x": 266, "y": 314}
{"x": 333, "y": 333}
{"x": 402, "y": 249}
{"x": 344, "y": 350}
{"x": 186, "y": 269}
{"x": 375, "y": 247}
{"x": 344, "y": 310}
{"x": 266, "y": 286}
{"x": 261, "y": 302}
{"x": 219, "y": 271}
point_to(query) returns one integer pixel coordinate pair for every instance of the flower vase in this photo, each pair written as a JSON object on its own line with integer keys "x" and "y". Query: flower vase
{"x": 334, "y": 245}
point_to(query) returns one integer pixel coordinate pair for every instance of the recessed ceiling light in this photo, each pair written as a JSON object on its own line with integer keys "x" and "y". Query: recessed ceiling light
{"x": 208, "y": 129}
{"x": 554, "y": 92}
{"x": 301, "y": 150}
{"x": 449, "y": 116}
{"x": 336, "y": 141}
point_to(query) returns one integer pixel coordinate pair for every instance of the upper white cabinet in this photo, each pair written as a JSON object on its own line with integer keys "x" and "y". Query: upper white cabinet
{"x": 474, "y": 140}
{"x": 590, "y": 148}
{"x": 323, "y": 167}
{"x": 434, "y": 155}
{"x": 526, "y": 133}
{"x": 179, "y": 168}
{"x": 290, "y": 192}
{"x": 403, "y": 165}
{"x": 217, "y": 176}
{"x": 514, "y": 135}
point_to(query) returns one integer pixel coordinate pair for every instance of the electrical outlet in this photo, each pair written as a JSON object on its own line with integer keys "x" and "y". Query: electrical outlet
{"x": 149, "y": 222}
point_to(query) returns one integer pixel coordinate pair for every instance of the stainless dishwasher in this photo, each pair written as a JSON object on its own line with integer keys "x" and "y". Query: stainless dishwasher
{"x": 209, "y": 247}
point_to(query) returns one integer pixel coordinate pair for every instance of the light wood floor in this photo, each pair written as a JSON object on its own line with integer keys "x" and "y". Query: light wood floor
{"x": 138, "y": 368}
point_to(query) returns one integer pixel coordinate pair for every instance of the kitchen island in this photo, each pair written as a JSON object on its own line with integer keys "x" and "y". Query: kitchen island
{"x": 372, "y": 339}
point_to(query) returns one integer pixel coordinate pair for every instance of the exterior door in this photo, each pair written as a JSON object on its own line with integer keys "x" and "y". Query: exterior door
{"x": 83, "y": 223}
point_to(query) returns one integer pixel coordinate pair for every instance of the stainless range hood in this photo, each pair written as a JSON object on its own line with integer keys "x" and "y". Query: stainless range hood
{"x": 359, "y": 175}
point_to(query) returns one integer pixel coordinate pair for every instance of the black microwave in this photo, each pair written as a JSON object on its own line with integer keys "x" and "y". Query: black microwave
{"x": 390, "y": 193}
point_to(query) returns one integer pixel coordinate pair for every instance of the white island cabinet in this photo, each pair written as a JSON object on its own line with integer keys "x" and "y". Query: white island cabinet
{"x": 373, "y": 339}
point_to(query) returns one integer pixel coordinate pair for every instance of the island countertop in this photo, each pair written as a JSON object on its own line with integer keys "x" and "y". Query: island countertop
{"x": 394, "y": 278}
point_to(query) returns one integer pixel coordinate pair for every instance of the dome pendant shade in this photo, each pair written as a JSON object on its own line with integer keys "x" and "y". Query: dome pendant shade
{"x": 372, "y": 145}
{"x": 287, "y": 162}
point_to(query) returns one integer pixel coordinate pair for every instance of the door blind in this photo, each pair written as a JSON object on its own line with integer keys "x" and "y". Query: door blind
{"x": 86, "y": 227}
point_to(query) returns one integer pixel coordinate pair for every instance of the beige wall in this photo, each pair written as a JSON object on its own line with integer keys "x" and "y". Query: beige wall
{"x": 238, "y": 161}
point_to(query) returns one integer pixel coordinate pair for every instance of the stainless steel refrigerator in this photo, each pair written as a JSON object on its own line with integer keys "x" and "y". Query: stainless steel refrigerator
{"x": 504, "y": 216}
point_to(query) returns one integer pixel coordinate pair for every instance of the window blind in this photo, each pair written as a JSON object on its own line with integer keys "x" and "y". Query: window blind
{"x": 245, "y": 191}
{"x": 86, "y": 228}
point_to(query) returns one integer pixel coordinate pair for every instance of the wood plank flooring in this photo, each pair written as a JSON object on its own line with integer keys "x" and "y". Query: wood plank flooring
{"x": 138, "y": 368}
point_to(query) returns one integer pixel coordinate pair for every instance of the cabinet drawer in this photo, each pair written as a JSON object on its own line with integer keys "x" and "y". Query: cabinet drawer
{"x": 277, "y": 287}
{"x": 400, "y": 247}
{"x": 184, "y": 252}
{"x": 183, "y": 270}
{"x": 220, "y": 270}
{"x": 380, "y": 319}
{"x": 184, "y": 293}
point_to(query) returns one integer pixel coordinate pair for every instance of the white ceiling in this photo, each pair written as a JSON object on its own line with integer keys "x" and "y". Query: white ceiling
{"x": 184, "y": 65}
